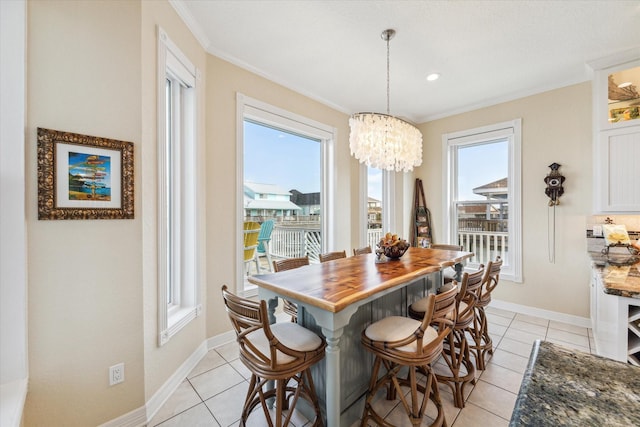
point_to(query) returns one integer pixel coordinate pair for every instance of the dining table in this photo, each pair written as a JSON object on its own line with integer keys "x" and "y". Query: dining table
{"x": 339, "y": 299}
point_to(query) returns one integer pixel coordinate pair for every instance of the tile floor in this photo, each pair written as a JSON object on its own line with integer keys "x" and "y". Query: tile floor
{"x": 213, "y": 393}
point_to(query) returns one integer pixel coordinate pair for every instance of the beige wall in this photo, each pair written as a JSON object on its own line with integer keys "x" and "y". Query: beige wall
{"x": 556, "y": 127}
{"x": 85, "y": 293}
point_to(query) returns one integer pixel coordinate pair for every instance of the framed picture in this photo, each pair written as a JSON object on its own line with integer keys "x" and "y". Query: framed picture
{"x": 84, "y": 177}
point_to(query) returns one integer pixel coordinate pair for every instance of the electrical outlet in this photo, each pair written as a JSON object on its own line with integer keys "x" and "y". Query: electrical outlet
{"x": 116, "y": 374}
{"x": 597, "y": 230}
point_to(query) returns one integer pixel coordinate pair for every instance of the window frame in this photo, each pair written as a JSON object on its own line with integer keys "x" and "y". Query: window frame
{"x": 179, "y": 268}
{"x": 262, "y": 112}
{"x": 511, "y": 131}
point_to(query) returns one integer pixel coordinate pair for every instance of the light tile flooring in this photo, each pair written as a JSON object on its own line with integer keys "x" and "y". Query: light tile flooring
{"x": 213, "y": 393}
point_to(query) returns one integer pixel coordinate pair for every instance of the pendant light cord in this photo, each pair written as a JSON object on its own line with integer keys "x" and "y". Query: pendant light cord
{"x": 551, "y": 234}
{"x": 388, "y": 79}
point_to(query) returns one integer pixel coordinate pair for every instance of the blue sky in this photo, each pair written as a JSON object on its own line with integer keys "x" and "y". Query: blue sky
{"x": 290, "y": 161}
{"x": 275, "y": 157}
{"x": 479, "y": 165}
{"x": 272, "y": 156}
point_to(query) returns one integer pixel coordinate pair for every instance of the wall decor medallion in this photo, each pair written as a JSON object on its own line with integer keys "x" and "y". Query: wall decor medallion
{"x": 84, "y": 177}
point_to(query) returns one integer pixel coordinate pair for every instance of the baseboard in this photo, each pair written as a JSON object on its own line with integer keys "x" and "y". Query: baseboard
{"x": 221, "y": 339}
{"x": 169, "y": 387}
{"x": 135, "y": 418}
{"x": 583, "y": 322}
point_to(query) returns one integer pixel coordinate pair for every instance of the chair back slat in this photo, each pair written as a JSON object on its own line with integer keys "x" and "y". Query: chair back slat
{"x": 469, "y": 293}
{"x": 330, "y": 256}
{"x": 362, "y": 251}
{"x": 289, "y": 307}
{"x": 290, "y": 263}
{"x": 490, "y": 280}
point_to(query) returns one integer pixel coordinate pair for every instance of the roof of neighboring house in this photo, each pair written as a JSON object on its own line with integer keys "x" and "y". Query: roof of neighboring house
{"x": 480, "y": 208}
{"x": 270, "y": 204}
{"x": 265, "y": 188}
{"x": 305, "y": 199}
{"x": 495, "y": 187}
{"x": 371, "y": 199}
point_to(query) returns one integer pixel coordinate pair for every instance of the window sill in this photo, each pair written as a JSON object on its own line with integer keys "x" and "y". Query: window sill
{"x": 177, "y": 320}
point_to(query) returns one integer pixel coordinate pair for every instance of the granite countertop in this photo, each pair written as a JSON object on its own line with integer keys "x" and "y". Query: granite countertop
{"x": 563, "y": 387}
{"x": 620, "y": 273}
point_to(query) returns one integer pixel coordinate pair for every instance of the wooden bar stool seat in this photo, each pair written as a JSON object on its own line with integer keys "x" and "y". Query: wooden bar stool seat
{"x": 282, "y": 352}
{"x": 456, "y": 349}
{"x": 401, "y": 344}
{"x": 479, "y": 330}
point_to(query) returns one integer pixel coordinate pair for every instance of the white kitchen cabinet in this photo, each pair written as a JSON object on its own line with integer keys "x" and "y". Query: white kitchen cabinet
{"x": 617, "y": 170}
{"x": 616, "y": 126}
{"x": 609, "y": 325}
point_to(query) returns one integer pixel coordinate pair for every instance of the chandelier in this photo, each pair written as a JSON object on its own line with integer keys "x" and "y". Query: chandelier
{"x": 383, "y": 141}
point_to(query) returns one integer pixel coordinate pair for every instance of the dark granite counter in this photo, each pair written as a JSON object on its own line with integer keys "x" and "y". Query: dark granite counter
{"x": 620, "y": 273}
{"x": 563, "y": 387}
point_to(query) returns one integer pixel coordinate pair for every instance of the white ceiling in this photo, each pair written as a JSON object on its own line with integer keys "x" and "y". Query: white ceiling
{"x": 486, "y": 51}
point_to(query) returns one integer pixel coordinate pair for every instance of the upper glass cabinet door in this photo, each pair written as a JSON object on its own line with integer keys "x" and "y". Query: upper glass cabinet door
{"x": 623, "y": 94}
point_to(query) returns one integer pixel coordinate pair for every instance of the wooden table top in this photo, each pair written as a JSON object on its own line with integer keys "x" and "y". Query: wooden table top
{"x": 334, "y": 285}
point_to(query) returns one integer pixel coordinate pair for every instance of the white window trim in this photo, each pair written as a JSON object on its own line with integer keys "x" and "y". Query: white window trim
{"x": 262, "y": 112}
{"x": 363, "y": 204}
{"x": 172, "y": 319}
{"x": 512, "y": 131}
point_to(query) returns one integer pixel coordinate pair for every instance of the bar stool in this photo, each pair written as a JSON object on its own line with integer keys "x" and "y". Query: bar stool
{"x": 362, "y": 251}
{"x": 456, "y": 349}
{"x": 479, "y": 331}
{"x": 449, "y": 274}
{"x": 330, "y": 256}
{"x": 282, "y": 352}
{"x": 400, "y": 342}
{"x": 289, "y": 307}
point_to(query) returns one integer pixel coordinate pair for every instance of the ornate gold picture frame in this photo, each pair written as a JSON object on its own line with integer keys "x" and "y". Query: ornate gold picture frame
{"x": 84, "y": 177}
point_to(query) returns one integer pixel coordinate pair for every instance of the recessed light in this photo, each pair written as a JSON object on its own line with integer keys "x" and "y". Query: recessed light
{"x": 433, "y": 76}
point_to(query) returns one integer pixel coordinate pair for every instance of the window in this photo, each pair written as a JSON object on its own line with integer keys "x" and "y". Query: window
{"x": 286, "y": 174}
{"x": 178, "y": 267}
{"x": 483, "y": 189}
{"x": 376, "y": 204}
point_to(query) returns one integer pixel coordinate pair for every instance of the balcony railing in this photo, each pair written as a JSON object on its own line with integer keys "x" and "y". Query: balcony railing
{"x": 298, "y": 241}
{"x": 485, "y": 245}
{"x": 294, "y": 241}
